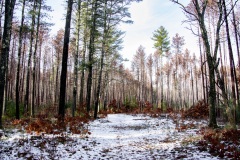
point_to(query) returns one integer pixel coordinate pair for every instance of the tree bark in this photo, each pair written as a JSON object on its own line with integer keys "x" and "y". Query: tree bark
{"x": 90, "y": 57}
{"x": 9, "y": 7}
{"x": 34, "y": 60}
{"x": 232, "y": 68}
{"x": 19, "y": 60}
{"x": 26, "y": 100}
{"x": 76, "y": 59}
{"x": 61, "y": 110}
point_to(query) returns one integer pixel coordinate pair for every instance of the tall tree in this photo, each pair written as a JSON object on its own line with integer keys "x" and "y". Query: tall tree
{"x": 92, "y": 48}
{"x": 103, "y": 50}
{"x": 85, "y": 17}
{"x": 231, "y": 110}
{"x": 35, "y": 58}
{"x": 178, "y": 43}
{"x": 57, "y": 44}
{"x": 113, "y": 13}
{"x": 138, "y": 65}
{"x": 162, "y": 44}
{"x": 19, "y": 59}
{"x": 1, "y": 9}
{"x": 9, "y": 8}
{"x": 196, "y": 12}
{"x": 150, "y": 68}
{"x": 61, "y": 110}
{"x": 33, "y": 23}
{"x": 76, "y": 52}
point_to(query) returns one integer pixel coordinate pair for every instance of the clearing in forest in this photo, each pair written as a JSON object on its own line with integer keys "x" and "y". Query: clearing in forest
{"x": 118, "y": 136}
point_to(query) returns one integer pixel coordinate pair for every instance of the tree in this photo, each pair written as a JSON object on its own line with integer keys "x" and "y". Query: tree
{"x": 61, "y": 111}
{"x": 138, "y": 66}
{"x": 178, "y": 43}
{"x": 93, "y": 34}
{"x": 35, "y": 58}
{"x": 162, "y": 44}
{"x": 85, "y": 16}
{"x": 26, "y": 98}
{"x": 113, "y": 13}
{"x": 150, "y": 68}
{"x": 57, "y": 44}
{"x": 195, "y": 11}
{"x": 19, "y": 59}
{"x": 161, "y": 39}
{"x": 76, "y": 52}
{"x": 9, "y": 8}
{"x": 235, "y": 95}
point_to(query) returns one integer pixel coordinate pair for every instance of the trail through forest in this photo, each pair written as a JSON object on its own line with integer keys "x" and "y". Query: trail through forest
{"x": 118, "y": 136}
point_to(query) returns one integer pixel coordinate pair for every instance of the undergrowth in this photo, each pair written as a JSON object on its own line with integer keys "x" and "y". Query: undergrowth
{"x": 44, "y": 124}
{"x": 222, "y": 143}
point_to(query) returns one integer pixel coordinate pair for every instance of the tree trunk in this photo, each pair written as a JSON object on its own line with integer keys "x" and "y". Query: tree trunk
{"x": 232, "y": 68}
{"x": 61, "y": 110}
{"x": 26, "y": 100}
{"x": 83, "y": 59}
{"x": 211, "y": 68}
{"x": 19, "y": 59}
{"x": 90, "y": 57}
{"x": 34, "y": 60}
{"x": 76, "y": 58}
{"x": 9, "y": 7}
{"x": 238, "y": 52}
{"x": 2, "y": 3}
{"x": 202, "y": 69}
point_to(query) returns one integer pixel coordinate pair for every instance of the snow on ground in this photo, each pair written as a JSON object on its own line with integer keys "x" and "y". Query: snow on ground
{"x": 118, "y": 136}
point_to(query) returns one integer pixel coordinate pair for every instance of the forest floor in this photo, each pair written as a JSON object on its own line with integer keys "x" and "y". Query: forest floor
{"x": 117, "y": 136}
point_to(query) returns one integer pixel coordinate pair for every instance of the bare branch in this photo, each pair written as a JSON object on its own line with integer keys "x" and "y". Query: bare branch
{"x": 184, "y": 8}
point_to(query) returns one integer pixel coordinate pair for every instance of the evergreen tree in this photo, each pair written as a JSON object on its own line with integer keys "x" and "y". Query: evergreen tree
{"x": 162, "y": 44}
{"x": 61, "y": 110}
{"x": 161, "y": 39}
{"x": 19, "y": 58}
{"x": 9, "y": 8}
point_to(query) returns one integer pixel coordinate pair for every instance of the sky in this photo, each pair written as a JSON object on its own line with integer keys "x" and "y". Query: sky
{"x": 147, "y": 17}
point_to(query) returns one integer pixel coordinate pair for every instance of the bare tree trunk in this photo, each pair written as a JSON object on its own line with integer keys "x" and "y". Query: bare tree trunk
{"x": 202, "y": 69}
{"x": 2, "y": 2}
{"x": 9, "y": 7}
{"x": 76, "y": 58}
{"x": 90, "y": 57}
{"x": 105, "y": 34}
{"x": 83, "y": 60}
{"x": 26, "y": 100}
{"x": 35, "y": 59}
{"x": 192, "y": 89}
{"x": 19, "y": 59}
{"x": 61, "y": 111}
{"x": 238, "y": 52}
{"x": 232, "y": 68}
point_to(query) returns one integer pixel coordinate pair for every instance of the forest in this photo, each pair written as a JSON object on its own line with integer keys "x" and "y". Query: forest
{"x": 75, "y": 82}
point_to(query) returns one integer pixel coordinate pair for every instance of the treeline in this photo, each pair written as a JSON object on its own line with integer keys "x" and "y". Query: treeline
{"x": 80, "y": 67}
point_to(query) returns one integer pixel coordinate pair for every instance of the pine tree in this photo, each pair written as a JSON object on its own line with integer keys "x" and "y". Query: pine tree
{"x": 9, "y": 8}
{"x": 61, "y": 110}
{"x": 162, "y": 44}
{"x": 19, "y": 58}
